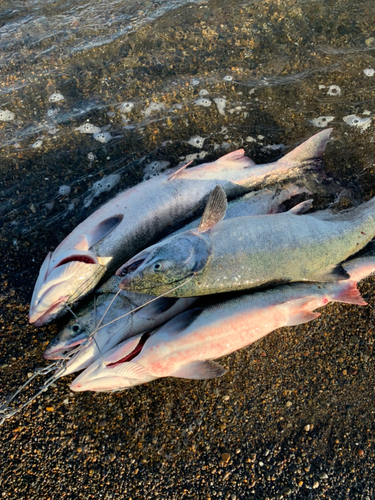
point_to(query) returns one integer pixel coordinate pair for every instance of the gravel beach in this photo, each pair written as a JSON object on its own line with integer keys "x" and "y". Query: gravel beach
{"x": 294, "y": 415}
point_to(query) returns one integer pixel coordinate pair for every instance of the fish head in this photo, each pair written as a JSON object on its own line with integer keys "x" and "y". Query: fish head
{"x": 73, "y": 334}
{"x": 63, "y": 280}
{"x": 166, "y": 264}
{"x": 118, "y": 369}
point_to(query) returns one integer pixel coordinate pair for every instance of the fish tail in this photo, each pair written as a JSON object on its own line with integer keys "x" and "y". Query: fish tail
{"x": 310, "y": 152}
{"x": 349, "y": 294}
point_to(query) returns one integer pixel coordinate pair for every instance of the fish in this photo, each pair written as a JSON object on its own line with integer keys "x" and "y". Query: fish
{"x": 147, "y": 212}
{"x": 187, "y": 345}
{"x": 86, "y": 318}
{"x": 251, "y": 252}
{"x": 83, "y": 324}
{"x": 115, "y": 328}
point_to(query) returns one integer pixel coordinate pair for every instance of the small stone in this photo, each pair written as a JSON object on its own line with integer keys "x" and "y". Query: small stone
{"x": 340, "y": 360}
{"x": 50, "y": 408}
{"x": 300, "y": 483}
{"x": 29, "y": 375}
{"x": 102, "y": 423}
{"x": 225, "y": 457}
{"x": 307, "y": 427}
{"x": 226, "y": 398}
{"x": 345, "y": 372}
{"x": 288, "y": 404}
{"x": 323, "y": 475}
{"x": 366, "y": 357}
{"x": 370, "y": 41}
{"x": 287, "y": 491}
{"x": 316, "y": 485}
{"x": 66, "y": 401}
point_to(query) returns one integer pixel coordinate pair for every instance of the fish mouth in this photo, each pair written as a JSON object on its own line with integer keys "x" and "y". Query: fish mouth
{"x": 39, "y": 319}
{"x": 95, "y": 385}
{"x": 132, "y": 265}
{"x": 62, "y": 351}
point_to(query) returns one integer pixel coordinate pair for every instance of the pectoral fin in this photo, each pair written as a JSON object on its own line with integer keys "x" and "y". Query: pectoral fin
{"x": 101, "y": 230}
{"x": 215, "y": 209}
{"x": 200, "y": 370}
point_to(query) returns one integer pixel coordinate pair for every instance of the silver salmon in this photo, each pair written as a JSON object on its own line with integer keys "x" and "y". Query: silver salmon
{"x": 186, "y": 346}
{"x": 144, "y": 214}
{"x": 248, "y": 252}
{"x": 114, "y": 328}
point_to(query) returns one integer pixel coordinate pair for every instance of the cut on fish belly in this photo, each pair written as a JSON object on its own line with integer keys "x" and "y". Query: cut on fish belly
{"x": 147, "y": 212}
{"x": 187, "y": 345}
{"x": 248, "y": 252}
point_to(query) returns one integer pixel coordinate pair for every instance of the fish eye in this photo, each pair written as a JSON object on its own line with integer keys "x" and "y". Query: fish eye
{"x": 76, "y": 328}
{"x": 158, "y": 266}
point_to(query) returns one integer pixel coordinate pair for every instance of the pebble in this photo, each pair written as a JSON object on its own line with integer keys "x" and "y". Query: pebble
{"x": 56, "y": 97}
{"x": 225, "y": 457}
{"x": 307, "y": 427}
{"x": 366, "y": 357}
{"x": 64, "y": 190}
{"x": 226, "y": 397}
{"x": 369, "y": 71}
{"x": 102, "y": 423}
{"x": 288, "y": 404}
{"x": 102, "y": 137}
{"x": 323, "y": 475}
{"x": 316, "y": 485}
{"x": 334, "y": 90}
{"x": 88, "y": 128}
{"x": 6, "y": 115}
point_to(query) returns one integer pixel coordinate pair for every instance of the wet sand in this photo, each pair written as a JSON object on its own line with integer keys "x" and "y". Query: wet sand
{"x": 294, "y": 415}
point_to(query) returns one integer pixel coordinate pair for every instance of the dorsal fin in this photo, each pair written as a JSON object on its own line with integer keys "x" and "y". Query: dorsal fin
{"x": 215, "y": 209}
{"x": 236, "y": 158}
{"x": 102, "y": 229}
{"x": 301, "y": 208}
{"x": 179, "y": 323}
{"x": 175, "y": 174}
{"x": 312, "y": 148}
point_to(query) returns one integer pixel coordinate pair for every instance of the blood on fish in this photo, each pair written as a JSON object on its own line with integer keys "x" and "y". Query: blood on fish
{"x": 77, "y": 258}
{"x": 134, "y": 352}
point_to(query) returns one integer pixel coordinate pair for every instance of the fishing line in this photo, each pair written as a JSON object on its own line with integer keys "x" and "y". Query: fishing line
{"x": 6, "y": 413}
{"x": 146, "y": 303}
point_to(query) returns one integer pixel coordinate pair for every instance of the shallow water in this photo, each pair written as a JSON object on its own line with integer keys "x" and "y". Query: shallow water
{"x": 160, "y": 83}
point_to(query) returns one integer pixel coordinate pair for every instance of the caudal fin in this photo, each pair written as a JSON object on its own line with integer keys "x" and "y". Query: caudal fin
{"x": 310, "y": 150}
{"x": 349, "y": 294}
